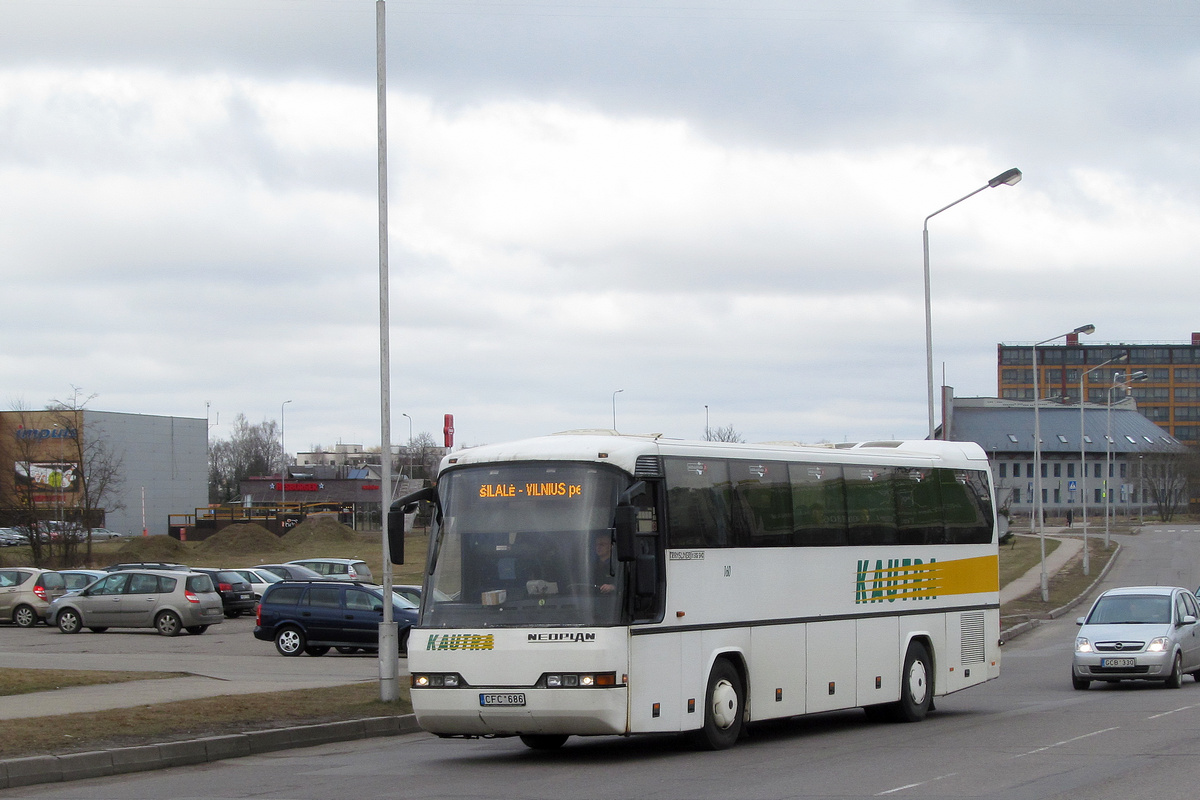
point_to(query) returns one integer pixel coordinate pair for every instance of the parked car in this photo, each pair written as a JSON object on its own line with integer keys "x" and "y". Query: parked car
{"x": 26, "y": 594}
{"x": 313, "y": 616}
{"x": 292, "y": 572}
{"x": 259, "y": 579}
{"x": 237, "y": 597}
{"x": 338, "y": 569}
{"x": 76, "y": 579}
{"x": 167, "y": 601}
{"x": 1147, "y": 633}
{"x": 11, "y": 537}
{"x": 105, "y": 533}
{"x": 161, "y": 565}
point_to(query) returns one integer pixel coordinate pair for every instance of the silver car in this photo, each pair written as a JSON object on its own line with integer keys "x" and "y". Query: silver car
{"x": 169, "y": 602}
{"x": 1147, "y": 633}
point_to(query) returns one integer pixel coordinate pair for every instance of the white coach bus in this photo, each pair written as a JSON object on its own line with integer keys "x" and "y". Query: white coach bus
{"x": 589, "y": 583}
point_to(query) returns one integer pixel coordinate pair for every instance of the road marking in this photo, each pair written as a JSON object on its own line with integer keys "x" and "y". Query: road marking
{"x": 1067, "y": 741}
{"x": 1165, "y": 713}
{"x": 912, "y": 785}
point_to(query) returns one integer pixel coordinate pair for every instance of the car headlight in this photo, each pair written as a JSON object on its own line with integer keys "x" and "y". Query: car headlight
{"x": 1158, "y": 645}
{"x": 1082, "y": 645}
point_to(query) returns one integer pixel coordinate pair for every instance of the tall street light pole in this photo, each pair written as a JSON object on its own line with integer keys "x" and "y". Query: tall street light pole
{"x": 1007, "y": 178}
{"x": 617, "y": 392}
{"x": 389, "y": 642}
{"x": 1087, "y": 562}
{"x": 1037, "y": 451}
{"x": 282, "y": 457}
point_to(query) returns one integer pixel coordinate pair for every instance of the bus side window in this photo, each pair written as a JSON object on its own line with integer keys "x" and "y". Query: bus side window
{"x": 698, "y": 502}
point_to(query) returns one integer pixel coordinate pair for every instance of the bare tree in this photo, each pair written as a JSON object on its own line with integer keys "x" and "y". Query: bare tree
{"x": 251, "y": 450}
{"x": 724, "y": 434}
{"x": 1167, "y": 476}
{"x": 100, "y": 477}
{"x": 425, "y": 454}
{"x": 19, "y": 492}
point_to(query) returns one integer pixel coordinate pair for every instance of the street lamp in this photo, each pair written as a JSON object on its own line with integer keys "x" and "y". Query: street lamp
{"x": 1087, "y": 562}
{"x": 409, "y": 448}
{"x": 707, "y": 435}
{"x": 617, "y": 392}
{"x": 1007, "y": 178}
{"x": 282, "y": 458}
{"x": 1122, "y": 381}
{"x": 1037, "y": 450}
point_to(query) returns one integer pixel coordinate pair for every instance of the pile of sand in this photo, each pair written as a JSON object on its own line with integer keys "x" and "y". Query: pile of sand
{"x": 320, "y": 530}
{"x": 241, "y": 539}
{"x": 152, "y": 548}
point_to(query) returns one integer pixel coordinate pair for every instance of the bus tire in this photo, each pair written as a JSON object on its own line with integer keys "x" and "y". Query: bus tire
{"x": 543, "y": 741}
{"x": 724, "y": 708}
{"x": 916, "y": 684}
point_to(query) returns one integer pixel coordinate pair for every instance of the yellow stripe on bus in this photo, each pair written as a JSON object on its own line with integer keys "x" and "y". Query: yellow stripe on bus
{"x": 911, "y": 581}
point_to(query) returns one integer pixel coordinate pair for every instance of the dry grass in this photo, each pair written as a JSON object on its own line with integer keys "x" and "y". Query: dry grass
{"x": 24, "y": 681}
{"x": 1065, "y": 586}
{"x": 191, "y": 719}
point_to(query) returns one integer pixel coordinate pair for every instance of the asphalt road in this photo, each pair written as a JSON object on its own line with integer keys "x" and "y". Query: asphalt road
{"x": 1026, "y": 735}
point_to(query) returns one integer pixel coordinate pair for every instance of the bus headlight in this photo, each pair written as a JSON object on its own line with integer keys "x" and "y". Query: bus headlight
{"x": 437, "y": 680}
{"x": 577, "y": 680}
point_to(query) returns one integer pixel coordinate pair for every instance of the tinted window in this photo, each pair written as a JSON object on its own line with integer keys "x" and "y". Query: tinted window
{"x": 143, "y": 584}
{"x": 698, "y": 502}
{"x": 871, "y": 505}
{"x": 918, "y": 507}
{"x": 200, "y": 583}
{"x": 113, "y": 584}
{"x": 968, "y": 506}
{"x": 166, "y": 584}
{"x": 284, "y": 595}
{"x": 358, "y": 600}
{"x": 325, "y": 596}
{"x": 52, "y": 580}
{"x": 762, "y": 508}
{"x": 818, "y": 504}
{"x": 77, "y": 581}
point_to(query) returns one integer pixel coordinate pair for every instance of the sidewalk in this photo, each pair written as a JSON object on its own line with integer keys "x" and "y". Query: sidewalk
{"x": 1032, "y": 580}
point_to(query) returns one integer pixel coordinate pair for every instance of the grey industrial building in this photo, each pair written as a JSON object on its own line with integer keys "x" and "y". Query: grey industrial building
{"x": 1116, "y": 440}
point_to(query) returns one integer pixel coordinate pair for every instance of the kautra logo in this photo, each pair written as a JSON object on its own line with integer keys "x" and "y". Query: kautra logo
{"x": 460, "y": 641}
{"x": 895, "y": 579}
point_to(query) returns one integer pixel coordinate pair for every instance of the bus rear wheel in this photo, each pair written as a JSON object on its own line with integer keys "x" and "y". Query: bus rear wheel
{"x": 724, "y": 708}
{"x": 543, "y": 741}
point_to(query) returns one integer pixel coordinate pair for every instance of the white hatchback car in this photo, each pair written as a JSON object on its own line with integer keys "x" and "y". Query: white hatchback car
{"x": 339, "y": 569}
{"x": 1148, "y": 633}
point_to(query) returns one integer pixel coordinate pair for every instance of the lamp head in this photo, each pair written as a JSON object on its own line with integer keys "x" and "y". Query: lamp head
{"x": 1088, "y": 329}
{"x": 1007, "y": 178}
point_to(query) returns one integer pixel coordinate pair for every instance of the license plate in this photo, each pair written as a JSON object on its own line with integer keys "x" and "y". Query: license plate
{"x": 496, "y": 699}
{"x": 1118, "y": 662}
{"x": 243, "y": 597}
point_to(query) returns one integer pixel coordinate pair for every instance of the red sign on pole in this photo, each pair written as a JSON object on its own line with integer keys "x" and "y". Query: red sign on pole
{"x": 448, "y": 430}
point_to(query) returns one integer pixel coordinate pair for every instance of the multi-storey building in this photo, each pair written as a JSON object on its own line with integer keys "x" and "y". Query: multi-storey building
{"x": 1169, "y": 396}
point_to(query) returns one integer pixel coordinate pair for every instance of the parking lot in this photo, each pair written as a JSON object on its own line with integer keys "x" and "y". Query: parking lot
{"x": 227, "y": 659}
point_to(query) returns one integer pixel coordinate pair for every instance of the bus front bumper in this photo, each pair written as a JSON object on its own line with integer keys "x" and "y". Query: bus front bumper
{"x": 503, "y": 712}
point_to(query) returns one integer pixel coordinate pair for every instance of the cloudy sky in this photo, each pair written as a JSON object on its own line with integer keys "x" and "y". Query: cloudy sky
{"x": 697, "y": 203}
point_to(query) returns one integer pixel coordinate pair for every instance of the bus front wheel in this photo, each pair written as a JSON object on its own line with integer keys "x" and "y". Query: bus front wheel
{"x": 724, "y": 707}
{"x": 916, "y": 684}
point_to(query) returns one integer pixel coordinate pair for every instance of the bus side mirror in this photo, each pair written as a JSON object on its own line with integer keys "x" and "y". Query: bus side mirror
{"x": 395, "y": 520}
{"x": 396, "y": 534}
{"x": 626, "y": 529}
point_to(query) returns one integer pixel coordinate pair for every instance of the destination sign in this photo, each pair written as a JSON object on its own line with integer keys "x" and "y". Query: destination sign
{"x": 491, "y": 491}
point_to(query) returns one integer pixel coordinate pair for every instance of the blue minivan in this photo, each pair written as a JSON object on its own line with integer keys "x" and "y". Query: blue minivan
{"x": 314, "y": 616}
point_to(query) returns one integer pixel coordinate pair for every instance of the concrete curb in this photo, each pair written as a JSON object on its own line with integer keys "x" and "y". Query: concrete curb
{"x": 1028, "y": 625}
{"x": 101, "y": 763}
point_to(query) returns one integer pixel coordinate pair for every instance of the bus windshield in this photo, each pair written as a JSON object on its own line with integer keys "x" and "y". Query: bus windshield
{"x": 526, "y": 545}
